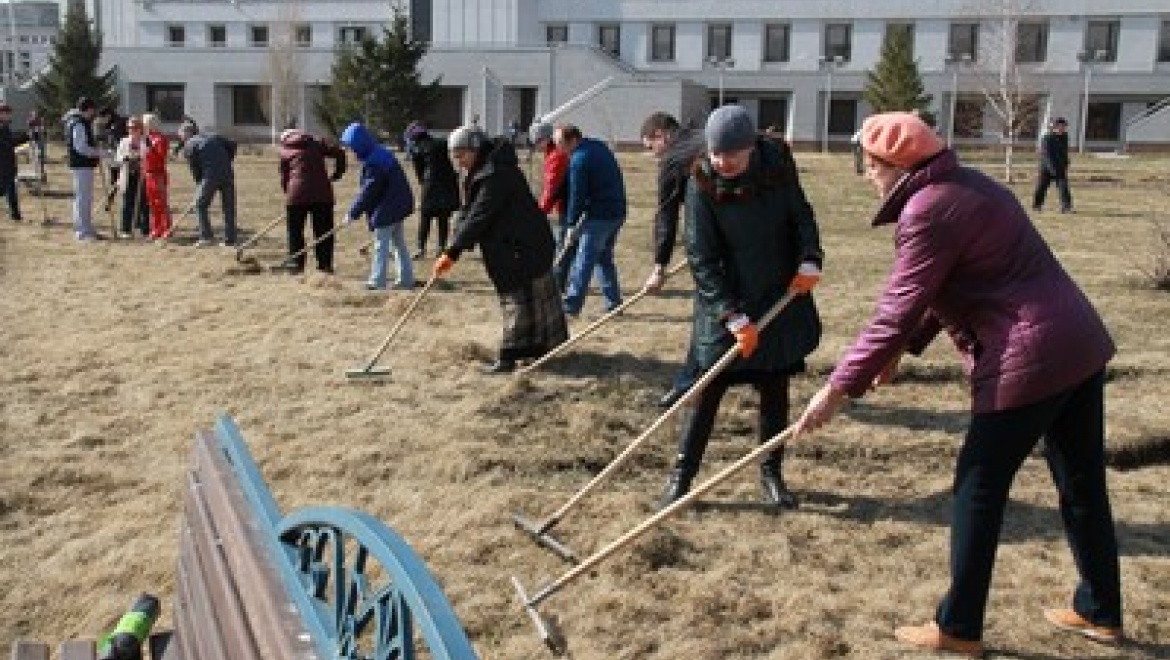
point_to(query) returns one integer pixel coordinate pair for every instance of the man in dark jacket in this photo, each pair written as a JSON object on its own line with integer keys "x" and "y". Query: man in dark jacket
{"x": 210, "y": 158}
{"x": 1053, "y": 166}
{"x": 8, "y": 143}
{"x": 501, "y": 215}
{"x": 308, "y": 192}
{"x": 439, "y": 194}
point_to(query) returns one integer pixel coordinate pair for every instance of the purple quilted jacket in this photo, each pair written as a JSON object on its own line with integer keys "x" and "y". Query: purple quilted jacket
{"x": 969, "y": 261}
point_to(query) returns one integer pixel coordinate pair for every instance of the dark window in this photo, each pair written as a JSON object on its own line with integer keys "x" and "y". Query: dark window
{"x": 420, "y": 19}
{"x": 838, "y": 41}
{"x": 774, "y": 114}
{"x": 303, "y": 34}
{"x": 250, "y": 105}
{"x": 351, "y": 34}
{"x": 557, "y": 33}
{"x": 447, "y": 112}
{"x": 1031, "y": 43}
{"x": 166, "y": 101}
{"x": 662, "y": 43}
{"x": 217, "y": 35}
{"x": 1164, "y": 42}
{"x": 176, "y": 35}
{"x": 902, "y": 28}
{"x": 609, "y": 38}
{"x": 776, "y": 42}
{"x": 842, "y": 117}
{"x": 719, "y": 41}
{"x": 1101, "y": 38}
{"x": 1104, "y": 121}
{"x": 258, "y": 35}
{"x": 963, "y": 40}
{"x": 969, "y": 118}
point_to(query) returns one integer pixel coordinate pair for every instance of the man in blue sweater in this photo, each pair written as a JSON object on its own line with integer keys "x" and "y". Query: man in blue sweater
{"x": 597, "y": 202}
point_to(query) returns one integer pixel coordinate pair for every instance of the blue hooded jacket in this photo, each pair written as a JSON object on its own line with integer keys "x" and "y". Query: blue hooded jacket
{"x": 384, "y": 194}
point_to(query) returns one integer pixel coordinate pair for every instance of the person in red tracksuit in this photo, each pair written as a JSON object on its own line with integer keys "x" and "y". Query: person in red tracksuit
{"x": 154, "y": 167}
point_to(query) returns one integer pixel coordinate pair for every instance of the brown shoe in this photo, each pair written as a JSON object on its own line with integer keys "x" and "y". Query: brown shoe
{"x": 1067, "y": 619}
{"x": 928, "y": 637}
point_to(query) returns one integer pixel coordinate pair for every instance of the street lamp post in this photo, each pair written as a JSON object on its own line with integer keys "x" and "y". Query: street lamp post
{"x": 721, "y": 64}
{"x": 829, "y": 64}
{"x": 1087, "y": 59}
{"x": 955, "y": 60}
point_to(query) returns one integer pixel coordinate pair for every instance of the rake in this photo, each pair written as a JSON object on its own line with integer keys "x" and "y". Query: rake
{"x": 592, "y": 327}
{"x": 372, "y": 370}
{"x": 248, "y": 243}
{"x": 540, "y": 532}
{"x": 530, "y": 603}
{"x": 287, "y": 264}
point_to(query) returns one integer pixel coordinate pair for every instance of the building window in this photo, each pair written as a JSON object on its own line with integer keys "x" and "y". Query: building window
{"x": 217, "y": 35}
{"x": 1101, "y": 38}
{"x": 351, "y": 34}
{"x": 609, "y": 38}
{"x": 969, "y": 118}
{"x": 902, "y": 28}
{"x": 176, "y": 35}
{"x": 1031, "y": 43}
{"x": 303, "y": 35}
{"x": 719, "y": 41}
{"x": 963, "y": 41}
{"x": 838, "y": 41}
{"x": 258, "y": 35}
{"x": 250, "y": 105}
{"x": 842, "y": 117}
{"x": 556, "y": 33}
{"x": 166, "y": 101}
{"x": 662, "y": 43}
{"x": 1164, "y": 43}
{"x": 776, "y": 42}
{"x": 774, "y": 115}
{"x": 1104, "y": 122}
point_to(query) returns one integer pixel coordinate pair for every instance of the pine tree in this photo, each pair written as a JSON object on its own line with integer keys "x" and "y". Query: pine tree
{"x": 72, "y": 71}
{"x": 378, "y": 83}
{"x": 895, "y": 83}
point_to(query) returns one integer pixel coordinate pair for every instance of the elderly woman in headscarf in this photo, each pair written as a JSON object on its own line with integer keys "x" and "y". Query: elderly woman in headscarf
{"x": 501, "y": 215}
{"x": 969, "y": 261}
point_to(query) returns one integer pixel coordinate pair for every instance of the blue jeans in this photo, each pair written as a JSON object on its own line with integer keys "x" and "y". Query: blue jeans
{"x": 594, "y": 250}
{"x": 227, "y": 198}
{"x": 383, "y": 237}
{"x": 1072, "y": 424}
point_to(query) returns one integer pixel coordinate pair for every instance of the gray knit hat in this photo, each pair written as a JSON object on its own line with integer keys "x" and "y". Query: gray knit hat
{"x": 729, "y": 128}
{"x": 466, "y": 137}
{"x": 541, "y": 130}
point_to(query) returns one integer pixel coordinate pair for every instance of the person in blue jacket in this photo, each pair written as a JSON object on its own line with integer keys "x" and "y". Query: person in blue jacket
{"x": 384, "y": 197}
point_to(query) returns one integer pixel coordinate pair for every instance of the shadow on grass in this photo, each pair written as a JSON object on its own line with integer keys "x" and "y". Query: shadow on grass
{"x": 1131, "y": 650}
{"x": 587, "y": 363}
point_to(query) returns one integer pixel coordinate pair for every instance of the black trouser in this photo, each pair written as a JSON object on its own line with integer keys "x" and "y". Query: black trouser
{"x": 772, "y": 416}
{"x": 322, "y": 215}
{"x": 134, "y": 199}
{"x": 1072, "y": 424}
{"x": 424, "y": 229}
{"x": 1045, "y": 179}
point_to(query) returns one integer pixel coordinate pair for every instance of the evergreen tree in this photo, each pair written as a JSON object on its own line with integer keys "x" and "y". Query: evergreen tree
{"x": 895, "y": 83}
{"x": 72, "y": 71}
{"x": 378, "y": 83}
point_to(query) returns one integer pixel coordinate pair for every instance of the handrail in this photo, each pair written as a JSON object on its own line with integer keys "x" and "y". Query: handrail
{"x": 1143, "y": 116}
{"x": 323, "y": 555}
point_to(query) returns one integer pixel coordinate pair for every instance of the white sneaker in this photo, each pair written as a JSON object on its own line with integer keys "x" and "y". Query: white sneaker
{"x": 124, "y": 236}
{"x": 204, "y": 242}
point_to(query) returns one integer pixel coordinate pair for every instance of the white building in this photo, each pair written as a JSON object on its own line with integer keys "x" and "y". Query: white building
{"x": 29, "y": 30}
{"x": 799, "y": 65}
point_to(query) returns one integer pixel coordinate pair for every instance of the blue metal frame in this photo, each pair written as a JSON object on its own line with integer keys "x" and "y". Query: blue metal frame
{"x": 324, "y": 555}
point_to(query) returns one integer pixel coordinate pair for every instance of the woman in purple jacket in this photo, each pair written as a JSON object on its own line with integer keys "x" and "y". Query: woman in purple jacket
{"x": 969, "y": 261}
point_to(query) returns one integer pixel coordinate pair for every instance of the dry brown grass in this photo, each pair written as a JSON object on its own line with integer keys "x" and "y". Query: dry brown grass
{"x": 115, "y": 353}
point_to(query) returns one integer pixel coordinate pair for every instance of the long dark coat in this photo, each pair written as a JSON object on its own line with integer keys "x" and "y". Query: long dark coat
{"x": 9, "y": 141}
{"x": 440, "y": 184}
{"x": 746, "y": 237}
{"x": 501, "y": 216}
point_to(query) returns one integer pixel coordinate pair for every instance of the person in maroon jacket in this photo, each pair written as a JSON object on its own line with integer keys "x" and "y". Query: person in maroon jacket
{"x": 969, "y": 261}
{"x": 308, "y": 191}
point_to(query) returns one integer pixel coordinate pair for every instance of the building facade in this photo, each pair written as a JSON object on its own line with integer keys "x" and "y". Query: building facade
{"x": 29, "y": 30}
{"x": 797, "y": 65}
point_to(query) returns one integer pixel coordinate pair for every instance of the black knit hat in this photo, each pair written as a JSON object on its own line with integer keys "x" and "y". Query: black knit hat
{"x": 85, "y": 103}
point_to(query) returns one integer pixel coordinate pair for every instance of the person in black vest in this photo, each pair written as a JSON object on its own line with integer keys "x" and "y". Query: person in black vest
{"x": 84, "y": 157}
{"x": 8, "y": 143}
{"x": 1053, "y": 166}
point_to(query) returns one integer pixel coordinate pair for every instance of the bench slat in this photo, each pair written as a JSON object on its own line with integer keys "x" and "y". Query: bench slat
{"x": 29, "y": 651}
{"x": 77, "y": 650}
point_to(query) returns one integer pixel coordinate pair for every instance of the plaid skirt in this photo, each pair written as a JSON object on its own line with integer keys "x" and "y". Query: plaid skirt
{"x": 534, "y": 321}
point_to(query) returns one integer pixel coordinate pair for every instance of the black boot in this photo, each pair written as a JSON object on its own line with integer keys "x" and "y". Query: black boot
{"x": 694, "y": 429}
{"x": 677, "y": 485}
{"x": 776, "y": 493}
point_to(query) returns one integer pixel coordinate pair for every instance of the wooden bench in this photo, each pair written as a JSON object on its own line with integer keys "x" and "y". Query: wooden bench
{"x": 253, "y": 584}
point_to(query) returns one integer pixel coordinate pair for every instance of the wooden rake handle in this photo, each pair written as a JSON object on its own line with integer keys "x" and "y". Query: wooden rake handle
{"x": 248, "y": 243}
{"x": 577, "y": 571}
{"x": 592, "y": 327}
{"x": 336, "y": 228}
{"x": 728, "y": 357}
{"x": 401, "y": 321}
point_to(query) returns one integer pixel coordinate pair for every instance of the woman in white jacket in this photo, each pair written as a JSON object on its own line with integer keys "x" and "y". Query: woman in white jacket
{"x": 135, "y": 211}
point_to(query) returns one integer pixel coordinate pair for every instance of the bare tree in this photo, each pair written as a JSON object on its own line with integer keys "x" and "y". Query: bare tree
{"x": 285, "y": 66}
{"x": 1006, "y": 87}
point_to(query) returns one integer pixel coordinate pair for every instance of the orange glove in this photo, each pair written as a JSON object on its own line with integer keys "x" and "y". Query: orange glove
{"x": 805, "y": 279}
{"x": 443, "y": 265}
{"x": 747, "y": 335}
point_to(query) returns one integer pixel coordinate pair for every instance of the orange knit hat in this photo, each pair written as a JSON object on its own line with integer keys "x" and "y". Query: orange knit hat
{"x": 899, "y": 138}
